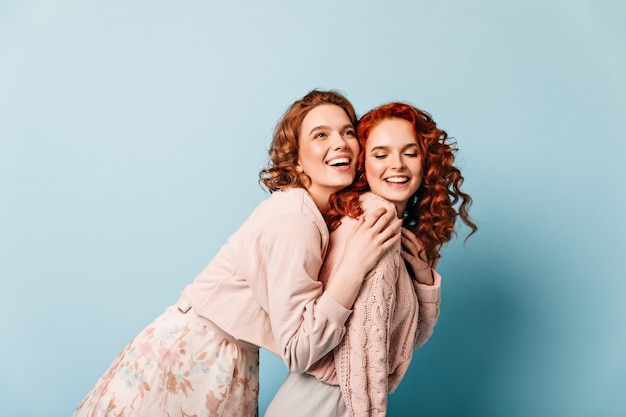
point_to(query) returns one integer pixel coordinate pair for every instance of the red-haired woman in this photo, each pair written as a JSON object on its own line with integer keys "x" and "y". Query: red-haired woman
{"x": 201, "y": 356}
{"x": 405, "y": 165}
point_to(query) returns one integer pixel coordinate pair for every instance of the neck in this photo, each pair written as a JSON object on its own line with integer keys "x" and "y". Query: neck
{"x": 320, "y": 197}
{"x": 400, "y": 207}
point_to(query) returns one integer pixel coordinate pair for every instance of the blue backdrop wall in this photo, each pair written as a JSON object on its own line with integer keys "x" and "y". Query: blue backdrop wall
{"x": 131, "y": 135}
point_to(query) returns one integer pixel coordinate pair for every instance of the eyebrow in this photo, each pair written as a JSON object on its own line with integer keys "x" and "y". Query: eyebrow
{"x": 384, "y": 148}
{"x": 324, "y": 127}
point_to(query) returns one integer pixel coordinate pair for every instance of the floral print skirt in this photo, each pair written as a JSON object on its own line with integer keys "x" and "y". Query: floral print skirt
{"x": 177, "y": 366}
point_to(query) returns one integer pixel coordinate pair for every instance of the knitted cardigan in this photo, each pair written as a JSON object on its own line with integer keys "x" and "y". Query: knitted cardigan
{"x": 391, "y": 316}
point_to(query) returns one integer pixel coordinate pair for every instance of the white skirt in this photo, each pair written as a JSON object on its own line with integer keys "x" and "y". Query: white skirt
{"x": 303, "y": 395}
{"x": 177, "y": 366}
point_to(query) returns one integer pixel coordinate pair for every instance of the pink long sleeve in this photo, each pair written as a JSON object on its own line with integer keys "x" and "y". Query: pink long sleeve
{"x": 429, "y": 297}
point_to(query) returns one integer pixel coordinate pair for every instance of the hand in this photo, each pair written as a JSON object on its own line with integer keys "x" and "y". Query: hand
{"x": 413, "y": 253}
{"x": 370, "y": 238}
{"x": 366, "y": 243}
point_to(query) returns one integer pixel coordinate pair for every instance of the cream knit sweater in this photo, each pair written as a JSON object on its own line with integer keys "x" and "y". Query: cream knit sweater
{"x": 391, "y": 316}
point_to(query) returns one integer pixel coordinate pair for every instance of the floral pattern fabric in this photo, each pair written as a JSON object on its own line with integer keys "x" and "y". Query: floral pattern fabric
{"x": 177, "y": 366}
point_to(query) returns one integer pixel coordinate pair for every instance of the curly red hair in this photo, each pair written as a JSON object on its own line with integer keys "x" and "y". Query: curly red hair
{"x": 430, "y": 212}
{"x": 283, "y": 154}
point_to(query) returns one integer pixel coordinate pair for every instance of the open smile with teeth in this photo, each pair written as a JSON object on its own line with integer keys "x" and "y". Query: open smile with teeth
{"x": 397, "y": 180}
{"x": 338, "y": 162}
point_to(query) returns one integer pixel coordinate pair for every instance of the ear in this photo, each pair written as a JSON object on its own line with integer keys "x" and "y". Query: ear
{"x": 299, "y": 168}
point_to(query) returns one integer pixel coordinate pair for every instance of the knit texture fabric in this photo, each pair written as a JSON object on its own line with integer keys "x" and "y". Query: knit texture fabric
{"x": 387, "y": 323}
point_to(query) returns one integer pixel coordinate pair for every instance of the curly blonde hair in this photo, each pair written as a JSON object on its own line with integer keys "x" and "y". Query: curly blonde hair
{"x": 281, "y": 171}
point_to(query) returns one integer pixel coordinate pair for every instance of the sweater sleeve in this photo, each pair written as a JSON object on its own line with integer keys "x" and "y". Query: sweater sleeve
{"x": 306, "y": 323}
{"x": 362, "y": 357}
{"x": 429, "y": 298}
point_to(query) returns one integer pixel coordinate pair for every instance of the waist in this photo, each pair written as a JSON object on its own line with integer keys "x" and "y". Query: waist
{"x": 184, "y": 307}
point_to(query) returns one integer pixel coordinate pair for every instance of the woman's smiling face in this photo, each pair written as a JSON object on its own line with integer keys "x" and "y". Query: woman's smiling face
{"x": 328, "y": 149}
{"x": 393, "y": 164}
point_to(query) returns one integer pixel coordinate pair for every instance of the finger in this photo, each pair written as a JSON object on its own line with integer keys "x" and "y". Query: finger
{"x": 390, "y": 242}
{"x": 408, "y": 239}
{"x": 410, "y": 258}
{"x": 408, "y": 251}
{"x": 386, "y": 220}
{"x": 417, "y": 264}
{"x": 392, "y": 231}
{"x": 359, "y": 224}
{"x": 416, "y": 244}
{"x": 373, "y": 217}
{"x": 408, "y": 243}
{"x": 410, "y": 235}
{"x": 413, "y": 258}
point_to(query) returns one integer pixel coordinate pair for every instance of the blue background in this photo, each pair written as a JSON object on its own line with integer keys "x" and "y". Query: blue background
{"x": 132, "y": 132}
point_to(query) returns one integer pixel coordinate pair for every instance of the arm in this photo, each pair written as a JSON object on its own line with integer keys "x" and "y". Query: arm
{"x": 429, "y": 297}
{"x": 306, "y": 323}
{"x": 411, "y": 252}
{"x": 362, "y": 357}
{"x": 427, "y": 283}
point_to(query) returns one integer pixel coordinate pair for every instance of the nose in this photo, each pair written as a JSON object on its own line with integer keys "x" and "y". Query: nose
{"x": 338, "y": 141}
{"x": 397, "y": 162}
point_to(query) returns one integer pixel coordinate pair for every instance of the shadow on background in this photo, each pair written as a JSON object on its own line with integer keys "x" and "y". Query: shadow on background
{"x": 452, "y": 374}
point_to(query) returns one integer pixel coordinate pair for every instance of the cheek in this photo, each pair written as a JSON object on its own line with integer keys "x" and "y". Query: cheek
{"x": 302, "y": 153}
{"x": 355, "y": 148}
{"x": 308, "y": 154}
{"x": 371, "y": 176}
{"x": 419, "y": 168}
{"x": 368, "y": 170}
{"x": 420, "y": 175}
{"x": 419, "y": 183}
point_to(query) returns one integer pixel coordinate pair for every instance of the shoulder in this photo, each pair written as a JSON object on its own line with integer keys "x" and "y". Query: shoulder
{"x": 371, "y": 202}
{"x": 292, "y": 200}
{"x": 291, "y": 214}
{"x": 293, "y": 224}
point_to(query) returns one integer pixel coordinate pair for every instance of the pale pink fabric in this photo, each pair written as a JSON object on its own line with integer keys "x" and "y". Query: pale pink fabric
{"x": 262, "y": 287}
{"x": 260, "y": 290}
{"x": 177, "y": 366}
{"x": 391, "y": 316}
